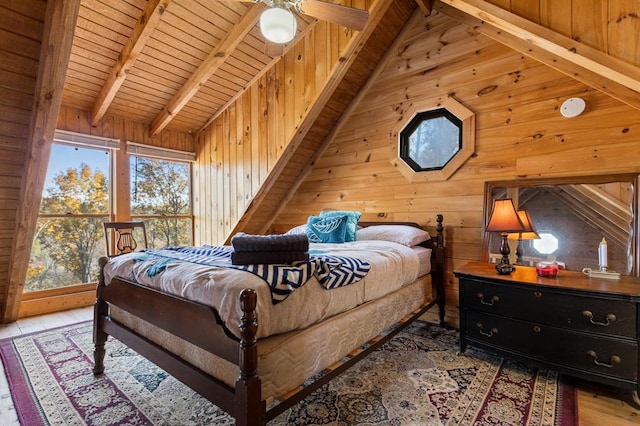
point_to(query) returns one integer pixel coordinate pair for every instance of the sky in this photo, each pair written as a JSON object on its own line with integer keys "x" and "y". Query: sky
{"x": 64, "y": 157}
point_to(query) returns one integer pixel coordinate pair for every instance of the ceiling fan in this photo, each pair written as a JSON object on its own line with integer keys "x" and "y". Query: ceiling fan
{"x": 278, "y": 24}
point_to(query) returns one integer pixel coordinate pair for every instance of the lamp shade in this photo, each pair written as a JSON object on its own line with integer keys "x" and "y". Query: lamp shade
{"x": 529, "y": 233}
{"x": 504, "y": 217}
{"x": 278, "y": 25}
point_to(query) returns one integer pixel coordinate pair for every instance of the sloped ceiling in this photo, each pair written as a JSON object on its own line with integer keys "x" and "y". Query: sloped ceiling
{"x": 176, "y": 64}
{"x": 594, "y": 206}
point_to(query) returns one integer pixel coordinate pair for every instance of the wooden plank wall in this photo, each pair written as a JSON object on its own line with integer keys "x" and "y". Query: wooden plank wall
{"x": 112, "y": 126}
{"x": 21, "y": 27}
{"x": 519, "y": 133}
{"x": 238, "y": 150}
{"x": 604, "y": 25}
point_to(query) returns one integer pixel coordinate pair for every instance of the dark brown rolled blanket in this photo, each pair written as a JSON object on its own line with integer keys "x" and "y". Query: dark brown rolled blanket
{"x": 242, "y": 242}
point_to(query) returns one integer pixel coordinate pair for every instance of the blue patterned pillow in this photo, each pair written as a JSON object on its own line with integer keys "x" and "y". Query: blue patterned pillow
{"x": 352, "y": 221}
{"x": 326, "y": 229}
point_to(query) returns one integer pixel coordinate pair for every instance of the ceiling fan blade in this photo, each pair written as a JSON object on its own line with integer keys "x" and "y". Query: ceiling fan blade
{"x": 349, "y": 17}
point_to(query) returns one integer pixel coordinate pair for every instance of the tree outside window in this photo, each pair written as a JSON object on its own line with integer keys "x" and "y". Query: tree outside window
{"x": 161, "y": 197}
{"x": 69, "y": 236}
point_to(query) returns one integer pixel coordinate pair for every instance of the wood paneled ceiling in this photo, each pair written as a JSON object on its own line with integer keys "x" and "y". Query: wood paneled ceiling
{"x": 177, "y": 64}
{"x": 172, "y": 64}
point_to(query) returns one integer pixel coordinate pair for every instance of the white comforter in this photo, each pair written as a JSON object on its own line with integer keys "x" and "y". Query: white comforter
{"x": 392, "y": 266}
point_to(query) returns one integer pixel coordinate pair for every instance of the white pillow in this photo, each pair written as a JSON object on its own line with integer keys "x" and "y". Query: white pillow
{"x": 402, "y": 234}
{"x": 300, "y": 229}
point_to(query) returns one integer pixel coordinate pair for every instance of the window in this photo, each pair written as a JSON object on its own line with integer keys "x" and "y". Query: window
{"x": 431, "y": 140}
{"x": 435, "y": 141}
{"x": 69, "y": 237}
{"x": 546, "y": 244}
{"x": 161, "y": 197}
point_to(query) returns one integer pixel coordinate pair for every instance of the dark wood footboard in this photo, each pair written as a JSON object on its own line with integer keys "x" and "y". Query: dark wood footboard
{"x": 178, "y": 316}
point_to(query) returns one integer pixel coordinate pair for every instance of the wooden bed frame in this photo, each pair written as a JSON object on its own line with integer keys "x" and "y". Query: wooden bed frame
{"x": 177, "y": 316}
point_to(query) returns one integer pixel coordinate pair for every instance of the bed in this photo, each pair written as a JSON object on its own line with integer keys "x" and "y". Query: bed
{"x": 239, "y": 366}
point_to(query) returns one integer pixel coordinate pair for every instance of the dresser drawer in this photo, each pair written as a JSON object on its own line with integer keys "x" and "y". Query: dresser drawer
{"x": 613, "y": 357}
{"x": 575, "y": 311}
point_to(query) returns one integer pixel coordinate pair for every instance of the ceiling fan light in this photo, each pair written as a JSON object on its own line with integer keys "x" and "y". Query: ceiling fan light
{"x": 278, "y": 25}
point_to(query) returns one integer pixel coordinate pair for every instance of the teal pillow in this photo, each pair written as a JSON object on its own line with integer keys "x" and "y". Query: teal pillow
{"x": 326, "y": 229}
{"x": 352, "y": 221}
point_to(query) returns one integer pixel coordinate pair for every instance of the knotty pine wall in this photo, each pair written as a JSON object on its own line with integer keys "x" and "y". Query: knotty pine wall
{"x": 238, "y": 150}
{"x": 21, "y": 26}
{"x": 112, "y": 126}
{"x": 520, "y": 133}
{"x": 611, "y": 26}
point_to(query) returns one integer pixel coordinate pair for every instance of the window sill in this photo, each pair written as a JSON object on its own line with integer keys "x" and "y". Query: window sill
{"x": 56, "y": 300}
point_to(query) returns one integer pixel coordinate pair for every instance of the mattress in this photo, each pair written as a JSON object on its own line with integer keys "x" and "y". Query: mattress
{"x": 287, "y": 360}
{"x": 392, "y": 267}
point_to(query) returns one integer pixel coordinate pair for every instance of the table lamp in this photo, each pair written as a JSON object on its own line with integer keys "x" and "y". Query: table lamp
{"x": 528, "y": 234}
{"x": 504, "y": 219}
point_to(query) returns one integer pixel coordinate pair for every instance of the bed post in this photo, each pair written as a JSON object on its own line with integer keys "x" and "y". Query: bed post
{"x": 441, "y": 274}
{"x": 249, "y": 407}
{"x": 100, "y": 310}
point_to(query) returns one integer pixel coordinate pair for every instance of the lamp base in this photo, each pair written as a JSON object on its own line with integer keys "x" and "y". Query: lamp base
{"x": 505, "y": 268}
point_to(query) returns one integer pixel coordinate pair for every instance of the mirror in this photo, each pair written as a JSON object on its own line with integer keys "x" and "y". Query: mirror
{"x": 571, "y": 215}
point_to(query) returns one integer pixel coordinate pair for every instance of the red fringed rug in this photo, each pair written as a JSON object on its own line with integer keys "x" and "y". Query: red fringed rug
{"x": 415, "y": 379}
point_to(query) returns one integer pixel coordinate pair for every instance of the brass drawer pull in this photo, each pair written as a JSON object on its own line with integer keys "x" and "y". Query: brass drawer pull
{"x": 493, "y": 299}
{"x": 536, "y": 329}
{"x": 537, "y": 294}
{"x": 490, "y": 333}
{"x": 615, "y": 359}
{"x": 609, "y": 319}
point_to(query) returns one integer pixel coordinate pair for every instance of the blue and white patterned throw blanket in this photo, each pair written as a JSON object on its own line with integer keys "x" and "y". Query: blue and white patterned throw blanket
{"x": 331, "y": 271}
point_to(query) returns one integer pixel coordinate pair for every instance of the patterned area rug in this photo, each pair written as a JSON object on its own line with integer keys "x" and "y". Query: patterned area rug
{"x": 415, "y": 379}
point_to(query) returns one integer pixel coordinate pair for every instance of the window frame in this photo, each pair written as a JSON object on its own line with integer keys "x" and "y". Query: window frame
{"x": 83, "y": 294}
{"x": 413, "y": 125}
{"x": 77, "y": 141}
{"x": 156, "y": 153}
{"x": 468, "y": 140}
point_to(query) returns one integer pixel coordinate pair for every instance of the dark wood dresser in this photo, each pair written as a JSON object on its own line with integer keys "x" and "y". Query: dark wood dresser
{"x": 579, "y": 326}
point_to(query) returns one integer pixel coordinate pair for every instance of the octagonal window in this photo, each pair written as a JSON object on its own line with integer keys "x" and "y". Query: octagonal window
{"x": 430, "y": 140}
{"x": 435, "y": 141}
{"x": 546, "y": 244}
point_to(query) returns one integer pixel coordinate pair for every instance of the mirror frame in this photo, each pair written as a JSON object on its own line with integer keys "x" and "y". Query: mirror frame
{"x": 632, "y": 178}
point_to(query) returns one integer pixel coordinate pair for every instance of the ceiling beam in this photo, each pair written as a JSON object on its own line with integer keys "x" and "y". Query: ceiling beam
{"x": 425, "y": 6}
{"x": 141, "y": 32}
{"x": 210, "y": 65}
{"x": 592, "y": 67}
{"x": 55, "y": 51}
{"x": 346, "y": 16}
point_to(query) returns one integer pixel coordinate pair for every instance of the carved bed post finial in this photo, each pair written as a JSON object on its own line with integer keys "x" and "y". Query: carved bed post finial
{"x": 249, "y": 407}
{"x": 100, "y": 310}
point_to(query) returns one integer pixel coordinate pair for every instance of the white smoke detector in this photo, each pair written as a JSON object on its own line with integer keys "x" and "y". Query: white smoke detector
{"x": 572, "y": 107}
